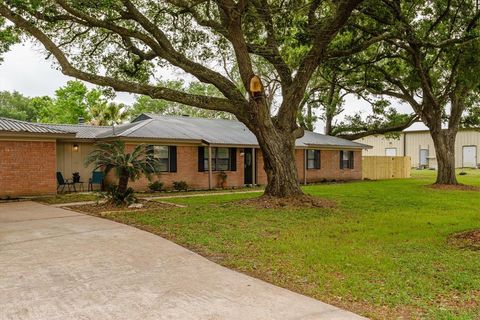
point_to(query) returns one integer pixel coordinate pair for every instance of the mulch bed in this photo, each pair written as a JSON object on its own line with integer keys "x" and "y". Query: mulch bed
{"x": 460, "y": 187}
{"x": 466, "y": 240}
{"x": 105, "y": 208}
{"x": 305, "y": 201}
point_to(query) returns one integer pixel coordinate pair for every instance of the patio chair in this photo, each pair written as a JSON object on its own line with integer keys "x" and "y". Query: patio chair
{"x": 97, "y": 178}
{"x": 61, "y": 182}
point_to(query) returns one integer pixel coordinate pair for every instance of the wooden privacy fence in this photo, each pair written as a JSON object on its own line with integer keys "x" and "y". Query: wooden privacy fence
{"x": 379, "y": 168}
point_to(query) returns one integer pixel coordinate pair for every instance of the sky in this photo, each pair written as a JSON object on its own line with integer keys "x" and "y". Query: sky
{"x": 26, "y": 70}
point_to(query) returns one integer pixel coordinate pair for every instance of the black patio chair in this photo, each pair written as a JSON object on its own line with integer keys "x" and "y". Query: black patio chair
{"x": 61, "y": 182}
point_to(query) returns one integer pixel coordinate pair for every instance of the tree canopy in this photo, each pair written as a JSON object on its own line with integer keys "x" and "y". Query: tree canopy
{"x": 69, "y": 104}
{"x": 421, "y": 52}
{"x": 125, "y": 44}
{"x": 428, "y": 59}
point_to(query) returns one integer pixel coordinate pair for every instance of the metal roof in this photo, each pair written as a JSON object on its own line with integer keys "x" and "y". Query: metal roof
{"x": 13, "y": 125}
{"x": 160, "y": 127}
{"x": 213, "y": 131}
{"x": 81, "y": 131}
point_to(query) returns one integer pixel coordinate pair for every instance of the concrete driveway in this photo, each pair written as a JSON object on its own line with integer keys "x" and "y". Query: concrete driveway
{"x": 58, "y": 264}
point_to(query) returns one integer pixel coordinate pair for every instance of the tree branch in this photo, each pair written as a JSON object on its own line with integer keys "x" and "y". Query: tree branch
{"x": 155, "y": 92}
{"x": 378, "y": 131}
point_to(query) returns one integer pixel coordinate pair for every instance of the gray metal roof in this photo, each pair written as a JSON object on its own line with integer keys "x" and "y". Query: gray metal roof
{"x": 213, "y": 131}
{"x": 81, "y": 131}
{"x": 152, "y": 126}
{"x": 13, "y": 125}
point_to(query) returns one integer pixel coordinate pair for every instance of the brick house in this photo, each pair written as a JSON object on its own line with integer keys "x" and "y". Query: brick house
{"x": 194, "y": 150}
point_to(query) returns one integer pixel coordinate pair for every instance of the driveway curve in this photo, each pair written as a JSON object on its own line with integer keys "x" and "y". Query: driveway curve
{"x": 59, "y": 264}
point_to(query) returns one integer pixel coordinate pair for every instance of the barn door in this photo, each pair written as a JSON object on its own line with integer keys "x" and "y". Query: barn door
{"x": 423, "y": 157}
{"x": 469, "y": 157}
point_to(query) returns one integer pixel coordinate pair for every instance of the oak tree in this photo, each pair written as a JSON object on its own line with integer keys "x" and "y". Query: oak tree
{"x": 428, "y": 59}
{"x": 125, "y": 44}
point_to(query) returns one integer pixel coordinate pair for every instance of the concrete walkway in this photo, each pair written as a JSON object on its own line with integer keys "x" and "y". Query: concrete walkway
{"x": 58, "y": 264}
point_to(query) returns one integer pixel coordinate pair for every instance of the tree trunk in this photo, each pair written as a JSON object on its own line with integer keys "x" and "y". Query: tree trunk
{"x": 123, "y": 182}
{"x": 279, "y": 162}
{"x": 444, "y": 141}
{"x": 328, "y": 123}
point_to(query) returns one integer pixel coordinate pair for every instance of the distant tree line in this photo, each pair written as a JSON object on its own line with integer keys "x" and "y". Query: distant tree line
{"x": 95, "y": 106}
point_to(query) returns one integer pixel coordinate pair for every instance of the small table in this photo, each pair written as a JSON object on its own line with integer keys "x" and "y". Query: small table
{"x": 82, "y": 186}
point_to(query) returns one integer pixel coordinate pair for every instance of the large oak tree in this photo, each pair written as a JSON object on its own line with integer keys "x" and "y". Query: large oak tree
{"x": 429, "y": 60}
{"x": 124, "y": 44}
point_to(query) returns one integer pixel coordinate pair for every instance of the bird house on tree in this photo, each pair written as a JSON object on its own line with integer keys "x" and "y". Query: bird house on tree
{"x": 256, "y": 86}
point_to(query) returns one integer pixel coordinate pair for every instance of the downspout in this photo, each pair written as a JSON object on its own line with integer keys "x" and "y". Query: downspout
{"x": 210, "y": 176}
{"x": 254, "y": 164}
{"x": 404, "y": 144}
{"x": 305, "y": 166}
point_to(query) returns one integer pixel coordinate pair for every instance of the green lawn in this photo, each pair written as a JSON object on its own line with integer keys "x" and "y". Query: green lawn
{"x": 382, "y": 252}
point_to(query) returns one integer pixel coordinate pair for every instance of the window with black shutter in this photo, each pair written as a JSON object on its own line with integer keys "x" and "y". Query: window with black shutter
{"x": 346, "y": 159}
{"x": 313, "y": 159}
{"x": 223, "y": 159}
{"x": 160, "y": 156}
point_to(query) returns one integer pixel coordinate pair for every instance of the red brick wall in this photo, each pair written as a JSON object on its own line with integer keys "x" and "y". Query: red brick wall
{"x": 329, "y": 169}
{"x": 187, "y": 170}
{"x": 27, "y": 168}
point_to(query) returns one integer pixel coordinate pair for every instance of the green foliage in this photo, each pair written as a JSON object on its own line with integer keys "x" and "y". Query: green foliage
{"x": 127, "y": 166}
{"x": 113, "y": 156}
{"x": 383, "y": 116}
{"x": 16, "y": 106}
{"x": 155, "y": 186}
{"x": 71, "y": 102}
{"x": 114, "y": 196}
{"x": 109, "y": 113}
{"x": 76, "y": 101}
{"x": 8, "y": 36}
{"x": 180, "y": 185}
{"x": 430, "y": 58}
{"x": 471, "y": 119}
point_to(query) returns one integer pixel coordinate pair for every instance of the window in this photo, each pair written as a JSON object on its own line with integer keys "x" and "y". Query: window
{"x": 313, "y": 159}
{"x": 161, "y": 157}
{"x": 391, "y": 152}
{"x": 220, "y": 159}
{"x": 346, "y": 159}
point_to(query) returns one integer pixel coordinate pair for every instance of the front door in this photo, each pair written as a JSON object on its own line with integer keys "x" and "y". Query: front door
{"x": 248, "y": 166}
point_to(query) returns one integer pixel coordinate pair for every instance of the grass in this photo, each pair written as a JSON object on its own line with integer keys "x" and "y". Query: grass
{"x": 383, "y": 252}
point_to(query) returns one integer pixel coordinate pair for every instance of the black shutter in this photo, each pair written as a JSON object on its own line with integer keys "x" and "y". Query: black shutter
{"x": 233, "y": 159}
{"x": 341, "y": 159}
{"x": 201, "y": 158}
{"x": 317, "y": 159}
{"x": 172, "y": 157}
{"x": 351, "y": 159}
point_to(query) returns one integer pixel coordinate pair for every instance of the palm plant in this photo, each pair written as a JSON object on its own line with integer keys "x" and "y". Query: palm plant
{"x": 127, "y": 166}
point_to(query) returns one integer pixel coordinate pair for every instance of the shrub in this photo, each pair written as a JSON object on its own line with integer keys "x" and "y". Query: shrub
{"x": 115, "y": 197}
{"x": 156, "y": 186}
{"x": 180, "y": 185}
